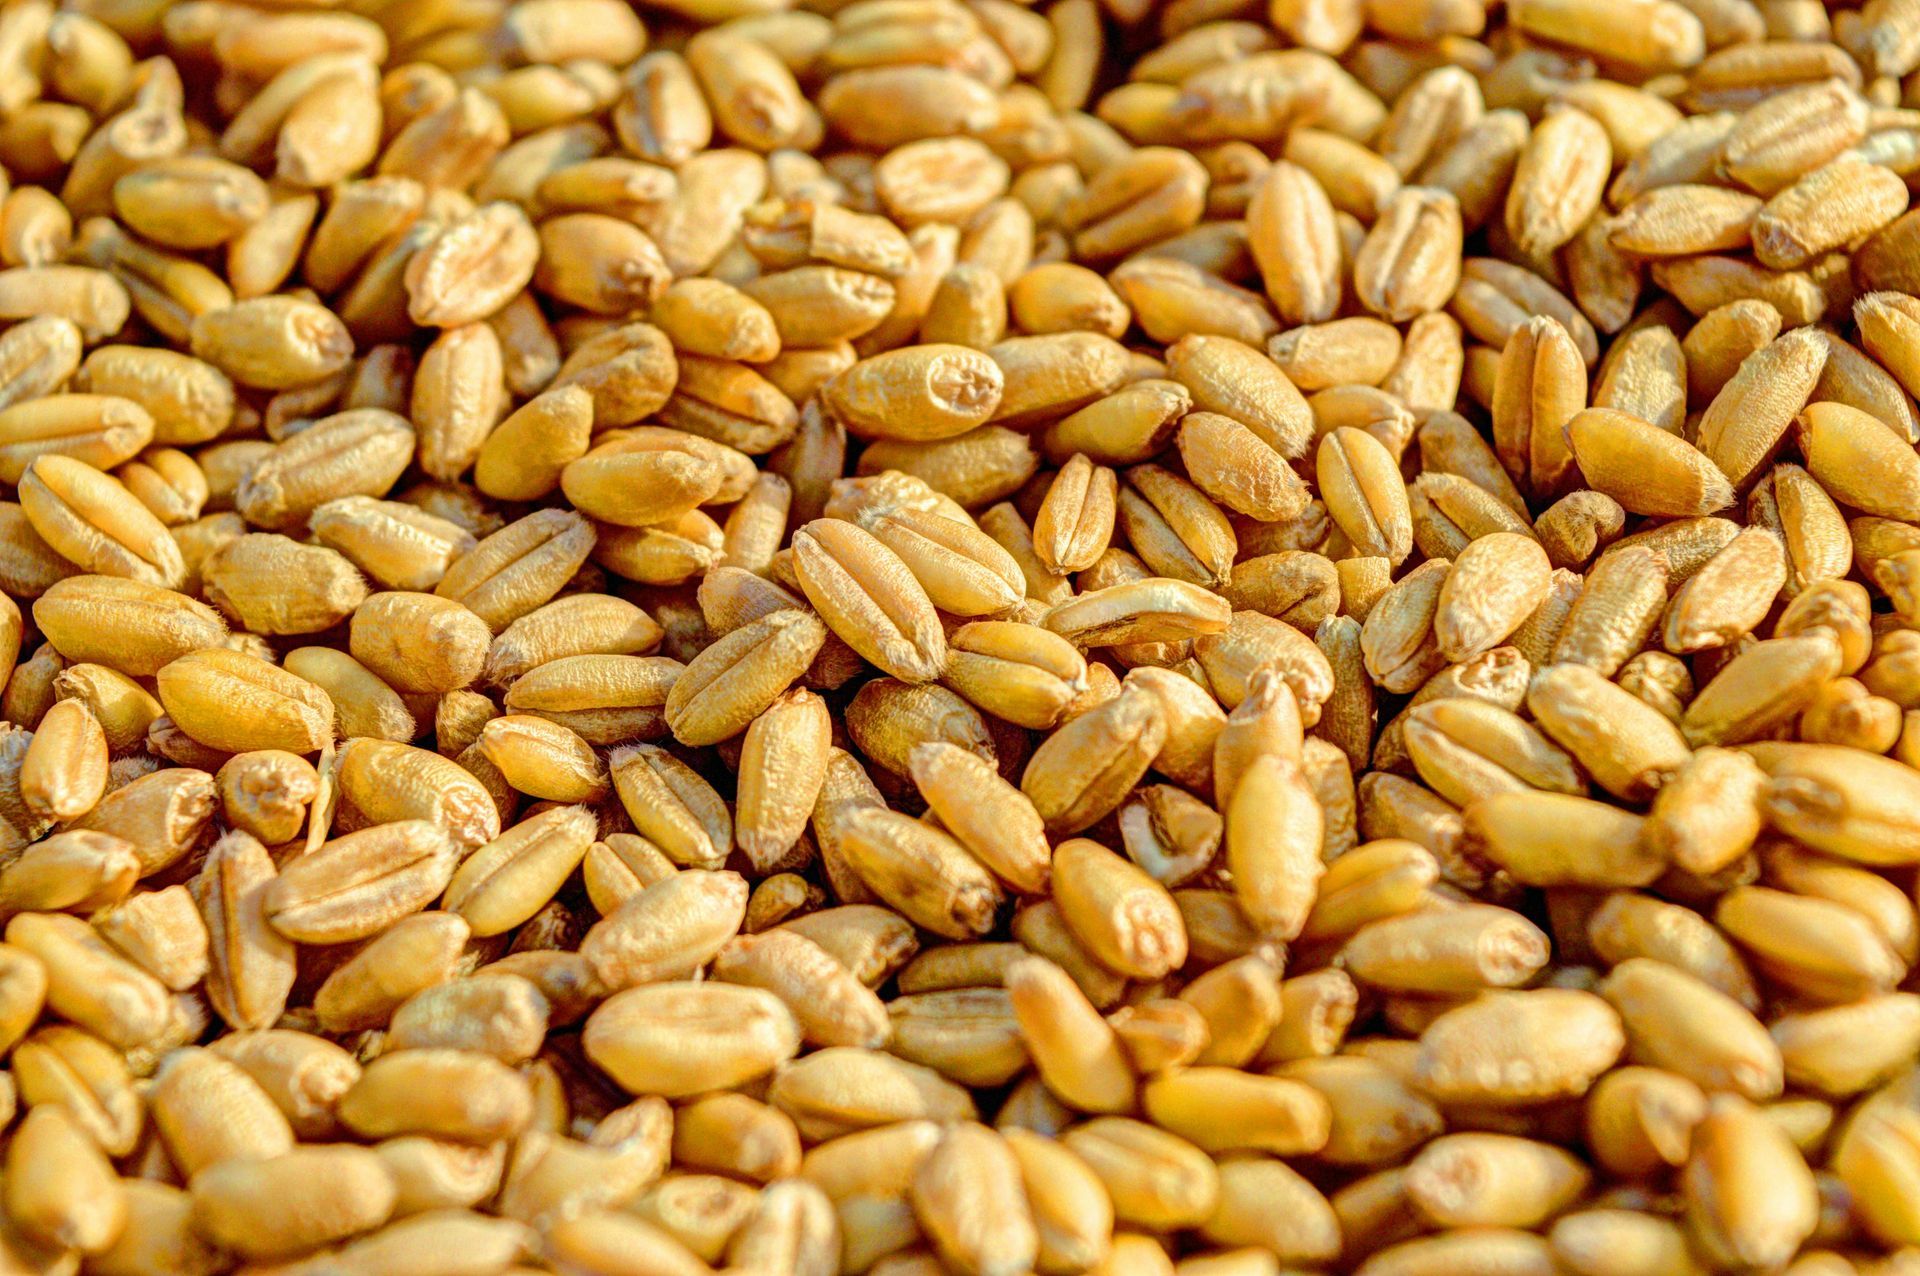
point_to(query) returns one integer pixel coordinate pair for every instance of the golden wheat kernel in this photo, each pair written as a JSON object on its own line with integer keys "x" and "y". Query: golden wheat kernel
{"x": 419, "y": 642}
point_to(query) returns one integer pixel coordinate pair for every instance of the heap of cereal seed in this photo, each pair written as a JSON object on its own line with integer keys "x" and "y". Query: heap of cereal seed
{"x": 959, "y": 637}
